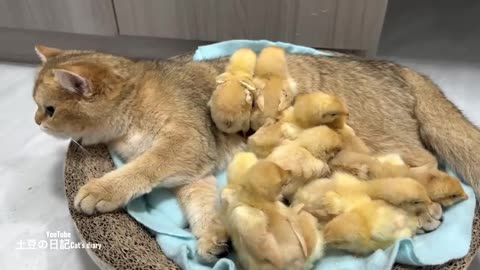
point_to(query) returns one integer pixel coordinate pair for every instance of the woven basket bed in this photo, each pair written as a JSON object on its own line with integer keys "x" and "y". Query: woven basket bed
{"x": 128, "y": 245}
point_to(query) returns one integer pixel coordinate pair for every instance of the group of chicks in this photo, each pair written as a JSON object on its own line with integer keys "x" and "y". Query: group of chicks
{"x": 308, "y": 181}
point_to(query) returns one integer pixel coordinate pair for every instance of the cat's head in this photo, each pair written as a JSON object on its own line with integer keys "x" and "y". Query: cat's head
{"x": 79, "y": 94}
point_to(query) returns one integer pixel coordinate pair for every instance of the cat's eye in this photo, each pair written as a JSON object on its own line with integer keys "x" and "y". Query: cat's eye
{"x": 50, "y": 110}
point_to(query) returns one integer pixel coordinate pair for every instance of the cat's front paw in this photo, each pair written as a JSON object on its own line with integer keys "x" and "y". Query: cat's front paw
{"x": 213, "y": 245}
{"x": 99, "y": 195}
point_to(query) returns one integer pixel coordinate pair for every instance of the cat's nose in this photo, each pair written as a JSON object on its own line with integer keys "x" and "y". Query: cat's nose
{"x": 38, "y": 117}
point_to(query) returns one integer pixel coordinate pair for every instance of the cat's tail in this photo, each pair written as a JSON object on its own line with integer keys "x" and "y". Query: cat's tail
{"x": 444, "y": 129}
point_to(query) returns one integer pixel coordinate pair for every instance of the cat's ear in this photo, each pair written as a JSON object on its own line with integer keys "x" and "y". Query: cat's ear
{"x": 44, "y": 52}
{"x": 73, "y": 82}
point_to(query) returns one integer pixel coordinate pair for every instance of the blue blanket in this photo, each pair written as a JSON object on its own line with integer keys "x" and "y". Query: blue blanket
{"x": 160, "y": 212}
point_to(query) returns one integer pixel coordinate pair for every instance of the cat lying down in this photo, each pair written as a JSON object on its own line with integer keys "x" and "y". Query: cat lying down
{"x": 154, "y": 115}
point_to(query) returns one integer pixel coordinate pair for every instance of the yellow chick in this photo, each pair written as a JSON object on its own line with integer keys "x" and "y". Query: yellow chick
{"x": 326, "y": 198}
{"x": 269, "y": 136}
{"x": 301, "y": 164}
{"x": 370, "y": 226}
{"x": 239, "y": 165}
{"x": 441, "y": 187}
{"x": 306, "y": 156}
{"x": 360, "y": 165}
{"x": 366, "y": 167}
{"x": 323, "y": 142}
{"x": 351, "y": 142}
{"x": 231, "y": 102}
{"x": 265, "y": 233}
{"x": 276, "y": 89}
{"x": 317, "y": 108}
{"x": 309, "y": 111}
{"x": 409, "y": 195}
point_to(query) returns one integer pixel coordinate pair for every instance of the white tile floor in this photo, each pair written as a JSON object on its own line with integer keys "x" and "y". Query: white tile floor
{"x": 442, "y": 43}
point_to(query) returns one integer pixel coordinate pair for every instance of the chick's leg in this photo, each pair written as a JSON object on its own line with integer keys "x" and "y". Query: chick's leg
{"x": 199, "y": 202}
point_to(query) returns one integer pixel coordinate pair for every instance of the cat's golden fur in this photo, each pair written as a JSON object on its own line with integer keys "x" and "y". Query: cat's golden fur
{"x": 154, "y": 114}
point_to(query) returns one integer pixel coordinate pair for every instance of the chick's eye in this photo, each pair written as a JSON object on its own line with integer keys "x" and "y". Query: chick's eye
{"x": 50, "y": 110}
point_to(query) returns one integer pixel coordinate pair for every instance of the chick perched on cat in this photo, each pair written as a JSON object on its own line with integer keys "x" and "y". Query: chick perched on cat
{"x": 265, "y": 233}
{"x": 371, "y": 225}
{"x": 441, "y": 187}
{"x": 318, "y": 108}
{"x": 271, "y": 135}
{"x": 327, "y": 198}
{"x": 311, "y": 114}
{"x": 306, "y": 156}
{"x": 301, "y": 164}
{"x": 276, "y": 89}
{"x": 231, "y": 102}
{"x": 309, "y": 110}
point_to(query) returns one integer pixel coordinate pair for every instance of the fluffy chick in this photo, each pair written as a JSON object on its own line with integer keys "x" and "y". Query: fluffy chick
{"x": 370, "y": 226}
{"x": 269, "y": 136}
{"x": 239, "y": 165}
{"x": 405, "y": 193}
{"x": 318, "y": 108}
{"x": 265, "y": 233}
{"x": 276, "y": 89}
{"x": 301, "y": 164}
{"x": 323, "y": 142}
{"x": 366, "y": 167}
{"x": 231, "y": 102}
{"x": 441, "y": 187}
{"x": 326, "y": 198}
{"x": 306, "y": 156}
{"x": 309, "y": 111}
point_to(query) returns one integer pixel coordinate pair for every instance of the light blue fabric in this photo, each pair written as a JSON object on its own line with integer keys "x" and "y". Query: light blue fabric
{"x": 160, "y": 212}
{"x": 227, "y": 48}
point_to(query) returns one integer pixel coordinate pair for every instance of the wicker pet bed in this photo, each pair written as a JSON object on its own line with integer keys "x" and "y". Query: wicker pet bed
{"x": 128, "y": 245}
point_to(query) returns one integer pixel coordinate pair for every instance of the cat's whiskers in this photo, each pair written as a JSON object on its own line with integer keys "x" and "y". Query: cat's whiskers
{"x": 81, "y": 147}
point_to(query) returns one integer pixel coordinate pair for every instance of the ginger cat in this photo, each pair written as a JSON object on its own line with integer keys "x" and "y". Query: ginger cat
{"x": 155, "y": 115}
